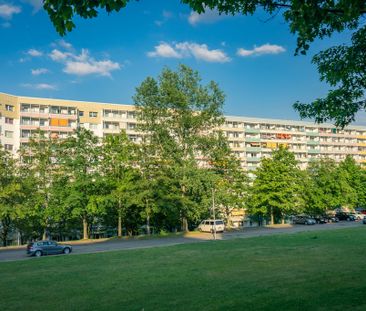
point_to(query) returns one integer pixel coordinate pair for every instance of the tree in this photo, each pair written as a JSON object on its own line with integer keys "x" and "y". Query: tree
{"x": 80, "y": 159}
{"x": 341, "y": 66}
{"x": 40, "y": 162}
{"x": 328, "y": 187}
{"x": 119, "y": 157}
{"x": 230, "y": 181}
{"x": 176, "y": 113}
{"x": 277, "y": 188}
{"x": 10, "y": 194}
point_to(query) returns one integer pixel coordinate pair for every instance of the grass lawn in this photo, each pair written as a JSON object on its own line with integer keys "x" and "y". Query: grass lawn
{"x": 305, "y": 271}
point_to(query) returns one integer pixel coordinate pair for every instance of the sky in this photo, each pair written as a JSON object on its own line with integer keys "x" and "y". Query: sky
{"x": 104, "y": 59}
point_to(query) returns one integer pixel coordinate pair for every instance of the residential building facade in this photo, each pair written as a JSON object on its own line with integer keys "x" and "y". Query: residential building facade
{"x": 250, "y": 139}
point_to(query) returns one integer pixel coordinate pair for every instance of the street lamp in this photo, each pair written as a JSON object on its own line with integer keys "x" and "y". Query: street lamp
{"x": 213, "y": 212}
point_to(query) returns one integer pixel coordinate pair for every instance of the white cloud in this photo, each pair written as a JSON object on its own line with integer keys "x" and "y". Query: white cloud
{"x": 188, "y": 49}
{"x": 201, "y": 51}
{"x": 36, "y": 4}
{"x": 91, "y": 66}
{"x": 65, "y": 45}
{"x": 261, "y": 50}
{"x": 164, "y": 50}
{"x": 39, "y": 71}
{"x": 8, "y": 10}
{"x": 34, "y": 53}
{"x": 208, "y": 17}
{"x": 83, "y": 64}
{"x": 40, "y": 86}
{"x": 57, "y": 55}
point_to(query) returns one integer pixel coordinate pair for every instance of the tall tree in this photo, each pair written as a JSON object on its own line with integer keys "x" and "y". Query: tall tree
{"x": 40, "y": 162}
{"x": 328, "y": 187}
{"x": 10, "y": 194}
{"x": 277, "y": 188}
{"x": 176, "y": 112}
{"x": 119, "y": 168}
{"x": 341, "y": 66}
{"x": 80, "y": 160}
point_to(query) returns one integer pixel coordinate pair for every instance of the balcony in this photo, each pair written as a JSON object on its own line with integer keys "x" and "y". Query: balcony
{"x": 253, "y": 159}
{"x": 252, "y": 130}
{"x": 253, "y": 139}
{"x": 313, "y": 151}
{"x": 312, "y": 142}
{"x": 253, "y": 149}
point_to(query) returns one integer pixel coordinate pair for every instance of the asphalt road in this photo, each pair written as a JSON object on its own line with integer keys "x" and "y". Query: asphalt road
{"x": 113, "y": 245}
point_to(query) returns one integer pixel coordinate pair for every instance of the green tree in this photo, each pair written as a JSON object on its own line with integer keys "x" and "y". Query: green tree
{"x": 328, "y": 187}
{"x": 40, "y": 163}
{"x": 230, "y": 182}
{"x": 118, "y": 167}
{"x": 277, "y": 188}
{"x": 80, "y": 160}
{"x": 341, "y": 66}
{"x": 176, "y": 112}
{"x": 11, "y": 195}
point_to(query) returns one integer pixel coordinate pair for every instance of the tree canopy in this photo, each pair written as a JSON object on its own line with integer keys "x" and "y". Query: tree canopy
{"x": 342, "y": 67}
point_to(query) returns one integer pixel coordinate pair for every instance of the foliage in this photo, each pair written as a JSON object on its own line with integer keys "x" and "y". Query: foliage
{"x": 328, "y": 187}
{"x": 11, "y": 195}
{"x": 277, "y": 188}
{"x": 176, "y": 113}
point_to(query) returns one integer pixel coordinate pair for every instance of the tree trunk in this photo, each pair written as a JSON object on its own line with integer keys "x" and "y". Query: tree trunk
{"x": 85, "y": 228}
{"x": 272, "y": 216}
{"x": 283, "y": 220}
{"x": 184, "y": 224}
{"x": 119, "y": 225}
{"x": 44, "y": 235}
{"x": 148, "y": 225}
{"x": 119, "y": 218}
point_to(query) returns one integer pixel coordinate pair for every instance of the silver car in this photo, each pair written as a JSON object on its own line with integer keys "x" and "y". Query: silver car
{"x": 41, "y": 248}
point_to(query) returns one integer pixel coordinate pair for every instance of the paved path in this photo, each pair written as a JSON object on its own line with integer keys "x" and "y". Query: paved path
{"x": 113, "y": 245}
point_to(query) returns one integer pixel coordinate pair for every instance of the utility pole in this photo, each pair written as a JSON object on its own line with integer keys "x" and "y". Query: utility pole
{"x": 213, "y": 212}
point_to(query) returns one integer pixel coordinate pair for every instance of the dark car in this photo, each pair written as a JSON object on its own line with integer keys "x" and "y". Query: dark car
{"x": 305, "y": 220}
{"x": 364, "y": 220}
{"x": 345, "y": 216}
{"x": 320, "y": 219}
{"x": 41, "y": 248}
{"x": 331, "y": 218}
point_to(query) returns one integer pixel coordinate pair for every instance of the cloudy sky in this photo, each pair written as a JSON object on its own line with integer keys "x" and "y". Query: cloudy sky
{"x": 104, "y": 59}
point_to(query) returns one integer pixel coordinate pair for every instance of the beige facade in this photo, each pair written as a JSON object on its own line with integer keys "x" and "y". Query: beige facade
{"x": 250, "y": 139}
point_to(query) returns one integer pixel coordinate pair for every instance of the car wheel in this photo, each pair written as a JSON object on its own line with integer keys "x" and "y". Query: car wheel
{"x": 38, "y": 254}
{"x": 348, "y": 219}
{"x": 67, "y": 250}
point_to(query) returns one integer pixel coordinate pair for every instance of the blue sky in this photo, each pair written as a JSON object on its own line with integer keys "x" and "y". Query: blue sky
{"x": 105, "y": 58}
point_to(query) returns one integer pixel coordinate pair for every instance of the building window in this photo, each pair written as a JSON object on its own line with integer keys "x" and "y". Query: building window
{"x": 93, "y": 114}
{"x": 8, "y": 147}
{"x": 9, "y": 120}
{"x": 9, "y": 134}
{"x": 93, "y": 126}
{"x": 9, "y": 108}
{"x": 81, "y": 113}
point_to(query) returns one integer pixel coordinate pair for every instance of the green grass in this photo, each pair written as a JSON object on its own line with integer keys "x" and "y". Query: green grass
{"x": 305, "y": 271}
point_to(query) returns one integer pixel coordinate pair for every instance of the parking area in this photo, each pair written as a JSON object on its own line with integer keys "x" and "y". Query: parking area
{"x": 192, "y": 237}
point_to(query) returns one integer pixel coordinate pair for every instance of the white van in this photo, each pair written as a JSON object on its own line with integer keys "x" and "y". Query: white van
{"x": 208, "y": 225}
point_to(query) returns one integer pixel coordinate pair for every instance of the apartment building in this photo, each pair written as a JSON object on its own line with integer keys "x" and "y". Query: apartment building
{"x": 250, "y": 139}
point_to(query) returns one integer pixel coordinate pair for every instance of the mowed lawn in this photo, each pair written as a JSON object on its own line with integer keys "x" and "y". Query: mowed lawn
{"x": 305, "y": 271}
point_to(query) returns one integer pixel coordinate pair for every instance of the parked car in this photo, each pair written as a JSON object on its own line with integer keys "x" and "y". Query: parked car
{"x": 304, "y": 220}
{"x": 331, "y": 218}
{"x": 41, "y": 248}
{"x": 345, "y": 216}
{"x": 320, "y": 219}
{"x": 364, "y": 220}
{"x": 358, "y": 215}
{"x": 209, "y": 225}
